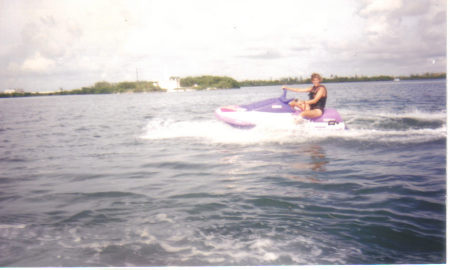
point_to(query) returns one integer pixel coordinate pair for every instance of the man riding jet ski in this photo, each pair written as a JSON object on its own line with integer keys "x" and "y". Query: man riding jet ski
{"x": 279, "y": 110}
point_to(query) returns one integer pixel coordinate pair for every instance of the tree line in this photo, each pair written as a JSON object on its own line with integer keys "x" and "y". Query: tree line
{"x": 336, "y": 78}
{"x": 215, "y": 82}
{"x": 209, "y": 82}
{"x": 114, "y": 88}
{"x": 99, "y": 88}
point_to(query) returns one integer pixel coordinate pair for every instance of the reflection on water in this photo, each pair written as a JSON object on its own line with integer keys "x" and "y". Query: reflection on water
{"x": 318, "y": 158}
{"x": 316, "y": 163}
{"x": 299, "y": 164}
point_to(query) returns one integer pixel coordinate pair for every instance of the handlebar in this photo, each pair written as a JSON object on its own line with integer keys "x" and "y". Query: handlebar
{"x": 283, "y": 97}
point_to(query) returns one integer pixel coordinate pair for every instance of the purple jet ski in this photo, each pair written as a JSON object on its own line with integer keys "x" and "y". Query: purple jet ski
{"x": 276, "y": 111}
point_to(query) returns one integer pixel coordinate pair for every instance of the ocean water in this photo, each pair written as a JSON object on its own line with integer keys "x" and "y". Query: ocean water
{"x": 155, "y": 179}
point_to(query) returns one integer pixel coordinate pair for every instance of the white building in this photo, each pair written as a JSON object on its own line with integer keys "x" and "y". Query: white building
{"x": 12, "y": 91}
{"x": 9, "y": 91}
{"x": 170, "y": 84}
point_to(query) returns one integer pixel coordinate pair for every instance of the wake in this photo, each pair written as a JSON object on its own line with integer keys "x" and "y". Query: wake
{"x": 409, "y": 127}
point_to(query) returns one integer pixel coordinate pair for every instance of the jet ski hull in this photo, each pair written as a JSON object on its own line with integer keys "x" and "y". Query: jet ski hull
{"x": 277, "y": 112}
{"x": 239, "y": 117}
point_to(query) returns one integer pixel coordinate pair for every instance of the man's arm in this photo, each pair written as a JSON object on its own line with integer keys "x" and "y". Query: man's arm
{"x": 300, "y": 90}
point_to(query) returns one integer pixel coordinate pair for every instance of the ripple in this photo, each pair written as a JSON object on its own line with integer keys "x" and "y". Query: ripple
{"x": 89, "y": 218}
{"x": 272, "y": 202}
{"x": 130, "y": 180}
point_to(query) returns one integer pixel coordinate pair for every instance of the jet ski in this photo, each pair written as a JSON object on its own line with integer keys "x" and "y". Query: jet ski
{"x": 276, "y": 111}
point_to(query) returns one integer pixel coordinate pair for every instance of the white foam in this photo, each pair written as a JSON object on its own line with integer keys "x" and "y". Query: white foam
{"x": 215, "y": 131}
{"x": 12, "y": 226}
{"x": 411, "y": 113}
{"x": 146, "y": 237}
{"x": 262, "y": 246}
{"x": 399, "y": 136}
{"x": 418, "y": 114}
{"x": 170, "y": 248}
{"x": 163, "y": 218}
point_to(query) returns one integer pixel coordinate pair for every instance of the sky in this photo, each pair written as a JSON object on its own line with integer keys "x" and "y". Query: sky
{"x": 48, "y": 45}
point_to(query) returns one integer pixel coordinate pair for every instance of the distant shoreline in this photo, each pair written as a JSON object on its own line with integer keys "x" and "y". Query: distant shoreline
{"x": 208, "y": 82}
{"x": 356, "y": 78}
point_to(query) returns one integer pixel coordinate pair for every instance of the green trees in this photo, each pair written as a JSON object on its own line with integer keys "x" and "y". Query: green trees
{"x": 424, "y": 76}
{"x": 110, "y": 88}
{"x": 124, "y": 86}
{"x": 24, "y": 94}
{"x": 214, "y": 82}
{"x": 335, "y": 78}
{"x": 286, "y": 80}
{"x": 209, "y": 82}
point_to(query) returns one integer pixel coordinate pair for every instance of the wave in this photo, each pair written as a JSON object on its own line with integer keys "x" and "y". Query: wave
{"x": 393, "y": 121}
{"x": 408, "y": 127}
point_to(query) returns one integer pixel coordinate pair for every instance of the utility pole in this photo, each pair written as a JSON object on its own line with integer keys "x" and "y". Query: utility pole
{"x": 137, "y": 77}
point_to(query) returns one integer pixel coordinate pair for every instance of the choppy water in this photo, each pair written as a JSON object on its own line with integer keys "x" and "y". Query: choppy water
{"x": 154, "y": 179}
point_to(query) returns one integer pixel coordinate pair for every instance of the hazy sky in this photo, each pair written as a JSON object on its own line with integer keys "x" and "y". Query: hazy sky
{"x": 46, "y": 45}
